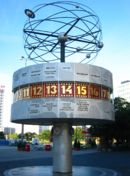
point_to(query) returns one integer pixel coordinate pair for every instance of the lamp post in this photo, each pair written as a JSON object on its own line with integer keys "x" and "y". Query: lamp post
{"x": 25, "y": 59}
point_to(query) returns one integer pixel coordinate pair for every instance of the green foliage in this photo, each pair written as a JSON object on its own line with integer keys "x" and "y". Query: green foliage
{"x": 122, "y": 119}
{"x": 104, "y": 131}
{"x": 2, "y": 136}
{"x": 120, "y": 129}
{"x": 13, "y": 136}
{"x": 121, "y": 105}
{"x": 45, "y": 136}
{"x": 28, "y": 136}
{"x": 78, "y": 134}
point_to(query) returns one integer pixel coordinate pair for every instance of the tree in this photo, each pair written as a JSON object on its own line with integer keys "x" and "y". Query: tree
{"x": 120, "y": 129}
{"x": 28, "y": 136}
{"x": 122, "y": 121}
{"x": 45, "y": 135}
{"x": 13, "y": 136}
{"x": 78, "y": 134}
{"x": 2, "y": 136}
{"x": 121, "y": 105}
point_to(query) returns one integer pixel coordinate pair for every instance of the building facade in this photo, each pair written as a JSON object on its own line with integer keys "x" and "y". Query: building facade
{"x": 42, "y": 128}
{"x": 2, "y": 90}
{"x": 124, "y": 90}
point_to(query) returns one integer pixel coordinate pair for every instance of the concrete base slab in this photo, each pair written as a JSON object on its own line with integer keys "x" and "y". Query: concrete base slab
{"x": 47, "y": 171}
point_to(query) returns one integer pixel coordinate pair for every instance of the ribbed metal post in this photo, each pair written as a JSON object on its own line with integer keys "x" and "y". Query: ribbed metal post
{"x": 62, "y": 52}
{"x": 62, "y": 148}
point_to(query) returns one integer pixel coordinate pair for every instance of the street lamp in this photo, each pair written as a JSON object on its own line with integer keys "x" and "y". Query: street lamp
{"x": 25, "y": 59}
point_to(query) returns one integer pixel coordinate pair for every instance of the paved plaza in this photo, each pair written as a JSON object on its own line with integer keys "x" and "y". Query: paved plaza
{"x": 116, "y": 162}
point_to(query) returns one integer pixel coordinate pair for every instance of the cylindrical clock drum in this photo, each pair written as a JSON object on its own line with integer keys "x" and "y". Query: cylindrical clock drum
{"x": 62, "y": 92}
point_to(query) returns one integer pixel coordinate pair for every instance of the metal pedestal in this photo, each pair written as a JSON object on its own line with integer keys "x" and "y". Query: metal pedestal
{"x": 47, "y": 171}
{"x": 62, "y": 148}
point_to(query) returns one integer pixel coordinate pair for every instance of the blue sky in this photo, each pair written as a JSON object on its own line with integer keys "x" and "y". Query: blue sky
{"x": 115, "y": 19}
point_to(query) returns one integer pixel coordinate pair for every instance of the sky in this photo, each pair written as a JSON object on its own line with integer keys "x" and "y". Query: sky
{"x": 115, "y": 56}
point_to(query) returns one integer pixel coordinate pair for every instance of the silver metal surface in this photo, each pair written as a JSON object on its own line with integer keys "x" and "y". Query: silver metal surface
{"x": 47, "y": 171}
{"x": 48, "y": 110}
{"x": 67, "y": 31}
{"x": 62, "y": 148}
{"x": 62, "y": 72}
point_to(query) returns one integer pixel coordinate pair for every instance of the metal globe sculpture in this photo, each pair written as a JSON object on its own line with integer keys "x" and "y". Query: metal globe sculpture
{"x": 62, "y": 31}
